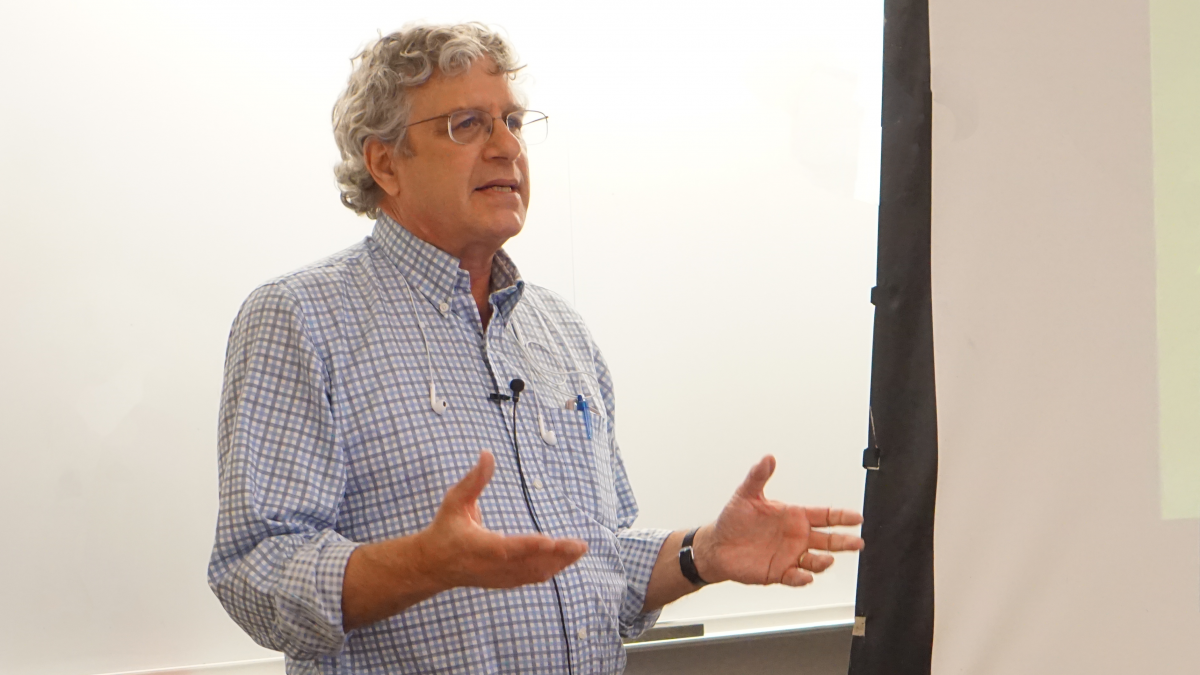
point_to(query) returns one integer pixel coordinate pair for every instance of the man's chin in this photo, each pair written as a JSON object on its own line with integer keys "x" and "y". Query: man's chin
{"x": 506, "y": 227}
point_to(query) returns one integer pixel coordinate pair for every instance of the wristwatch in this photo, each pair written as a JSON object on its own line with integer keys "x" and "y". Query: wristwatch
{"x": 687, "y": 563}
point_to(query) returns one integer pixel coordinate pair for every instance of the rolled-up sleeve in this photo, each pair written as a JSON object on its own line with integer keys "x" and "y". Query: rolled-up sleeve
{"x": 639, "y": 550}
{"x": 277, "y": 563}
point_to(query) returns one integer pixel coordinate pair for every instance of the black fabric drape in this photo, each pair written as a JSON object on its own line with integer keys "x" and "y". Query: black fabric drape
{"x": 894, "y": 631}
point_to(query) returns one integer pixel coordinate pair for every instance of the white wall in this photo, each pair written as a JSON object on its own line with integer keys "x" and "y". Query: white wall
{"x": 706, "y": 200}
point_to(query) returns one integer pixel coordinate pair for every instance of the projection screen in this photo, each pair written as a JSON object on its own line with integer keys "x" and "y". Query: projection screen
{"x": 1067, "y": 339}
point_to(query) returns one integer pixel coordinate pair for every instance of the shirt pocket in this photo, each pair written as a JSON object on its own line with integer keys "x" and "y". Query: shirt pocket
{"x": 580, "y": 466}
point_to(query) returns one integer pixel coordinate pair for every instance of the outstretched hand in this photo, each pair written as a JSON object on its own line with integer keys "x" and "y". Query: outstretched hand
{"x": 756, "y": 540}
{"x": 459, "y": 551}
{"x": 385, "y": 578}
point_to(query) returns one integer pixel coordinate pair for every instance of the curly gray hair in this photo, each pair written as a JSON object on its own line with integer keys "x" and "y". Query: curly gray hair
{"x": 376, "y": 102}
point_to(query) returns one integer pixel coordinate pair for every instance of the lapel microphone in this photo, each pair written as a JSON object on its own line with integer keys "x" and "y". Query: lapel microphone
{"x": 517, "y": 386}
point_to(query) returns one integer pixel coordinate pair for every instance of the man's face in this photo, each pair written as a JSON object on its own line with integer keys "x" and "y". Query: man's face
{"x": 461, "y": 198}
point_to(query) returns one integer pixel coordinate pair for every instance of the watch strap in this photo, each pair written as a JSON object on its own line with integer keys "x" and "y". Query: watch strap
{"x": 687, "y": 562}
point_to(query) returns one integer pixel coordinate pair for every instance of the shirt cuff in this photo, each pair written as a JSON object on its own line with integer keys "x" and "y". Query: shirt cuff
{"x": 308, "y": 598}
{"x": 639, "y": 551}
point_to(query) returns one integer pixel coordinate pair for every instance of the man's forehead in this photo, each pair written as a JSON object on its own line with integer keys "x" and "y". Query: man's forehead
{"x": 481, "y": 87}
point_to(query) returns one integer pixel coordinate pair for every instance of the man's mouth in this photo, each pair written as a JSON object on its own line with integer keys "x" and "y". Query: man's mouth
{"x": 499, "y": 185}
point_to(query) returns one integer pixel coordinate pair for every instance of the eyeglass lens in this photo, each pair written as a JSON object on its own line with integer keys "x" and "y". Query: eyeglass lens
{"x": 473, "y": 126}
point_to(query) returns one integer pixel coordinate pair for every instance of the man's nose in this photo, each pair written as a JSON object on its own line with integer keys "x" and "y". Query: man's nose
{"x": 503, "y": 143}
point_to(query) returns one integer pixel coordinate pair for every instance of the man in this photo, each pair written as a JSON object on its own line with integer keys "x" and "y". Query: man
{"x": 418, "y": 467}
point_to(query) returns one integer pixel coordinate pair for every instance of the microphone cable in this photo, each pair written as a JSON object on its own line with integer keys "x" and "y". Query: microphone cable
{"x": 517, "y": 386}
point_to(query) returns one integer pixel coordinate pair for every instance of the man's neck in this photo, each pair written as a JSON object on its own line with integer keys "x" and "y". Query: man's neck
{"x": 475, "y": 259}
{"x": 480, "y": 269}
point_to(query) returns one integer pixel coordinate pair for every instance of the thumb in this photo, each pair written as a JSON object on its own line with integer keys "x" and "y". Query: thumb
{"x": 466, "y": 491}
{"x": 756, "y": 480}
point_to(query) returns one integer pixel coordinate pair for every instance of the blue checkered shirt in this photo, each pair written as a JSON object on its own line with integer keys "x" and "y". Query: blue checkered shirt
{"x": 328, "y": 440}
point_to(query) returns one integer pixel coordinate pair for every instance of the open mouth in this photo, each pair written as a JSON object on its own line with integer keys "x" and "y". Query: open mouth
{"x": 503, "y": 185}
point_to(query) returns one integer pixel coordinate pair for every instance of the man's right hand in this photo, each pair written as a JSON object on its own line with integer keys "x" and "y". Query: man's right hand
{"x": 459, "y": 551}
{"x": 385, "y": 578}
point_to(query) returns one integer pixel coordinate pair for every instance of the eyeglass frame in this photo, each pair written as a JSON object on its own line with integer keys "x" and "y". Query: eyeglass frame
{"x": 493, "y": 118}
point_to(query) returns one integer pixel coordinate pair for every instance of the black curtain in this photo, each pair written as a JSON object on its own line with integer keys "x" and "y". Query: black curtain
{"x": 894, "y": 608}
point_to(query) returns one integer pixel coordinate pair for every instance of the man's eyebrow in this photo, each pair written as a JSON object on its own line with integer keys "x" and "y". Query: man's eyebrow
{"x": 513, "y": 107}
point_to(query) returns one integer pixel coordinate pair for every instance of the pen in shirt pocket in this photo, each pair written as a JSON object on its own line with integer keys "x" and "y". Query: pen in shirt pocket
{"x": 581, "y": 405}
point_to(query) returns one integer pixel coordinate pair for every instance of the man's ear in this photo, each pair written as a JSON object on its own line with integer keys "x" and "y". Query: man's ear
{"x": 380, "y": 160}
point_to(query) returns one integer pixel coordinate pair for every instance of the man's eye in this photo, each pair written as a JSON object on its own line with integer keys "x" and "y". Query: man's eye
{"x": 467, "y": 122}
{"x": 515, "y": 122}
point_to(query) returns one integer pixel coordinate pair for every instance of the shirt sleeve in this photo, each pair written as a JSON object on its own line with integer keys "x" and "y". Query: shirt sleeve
{"x": 638, "y": 548}
{"x": 277, "y": 563}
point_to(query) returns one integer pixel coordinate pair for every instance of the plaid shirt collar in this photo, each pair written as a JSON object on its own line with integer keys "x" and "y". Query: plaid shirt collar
{"x": 436, "y": 275}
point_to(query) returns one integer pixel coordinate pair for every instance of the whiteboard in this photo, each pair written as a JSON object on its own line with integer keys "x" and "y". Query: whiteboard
{"x": 707, "y": 201}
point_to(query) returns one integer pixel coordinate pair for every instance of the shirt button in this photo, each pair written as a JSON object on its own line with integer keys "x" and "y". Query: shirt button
{"x": 582, "y": 633}
{"x": 443, "y": 307}
{"x": 537, "y": 483}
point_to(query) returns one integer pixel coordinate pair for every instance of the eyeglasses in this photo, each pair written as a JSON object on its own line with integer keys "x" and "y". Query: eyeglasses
{"x": 475, "y": 126}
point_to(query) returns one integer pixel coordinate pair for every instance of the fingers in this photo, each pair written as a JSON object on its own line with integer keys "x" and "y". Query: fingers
{"x": 466, "y": 491}
{"x": 496, "y": 561}
{"x": 530, "y": 559}
{"x": 796, "y": 577}
{"x": 834, "y": 541}
{"x": 823, "y": 516}
{"x": 816, "y": 562}
{"x": 526, "y": 546}
{"x": 757, "y": 479}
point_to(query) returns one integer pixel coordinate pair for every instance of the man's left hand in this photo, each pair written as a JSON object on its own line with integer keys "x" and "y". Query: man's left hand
{"x": 756, "y": 540}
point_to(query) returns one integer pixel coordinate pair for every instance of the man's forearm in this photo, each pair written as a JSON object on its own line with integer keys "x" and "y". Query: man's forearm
{"x": 384, "y": 579}
{"x": 667, "y": 583}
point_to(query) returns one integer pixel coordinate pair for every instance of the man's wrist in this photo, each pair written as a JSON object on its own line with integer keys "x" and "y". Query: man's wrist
{"x": 423, "y": 564}
{"x": 687, "y": 562}
{"x": 408, "y": 566}
{"x": 385, "y": 578}
{"x": 702, "y": 554}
